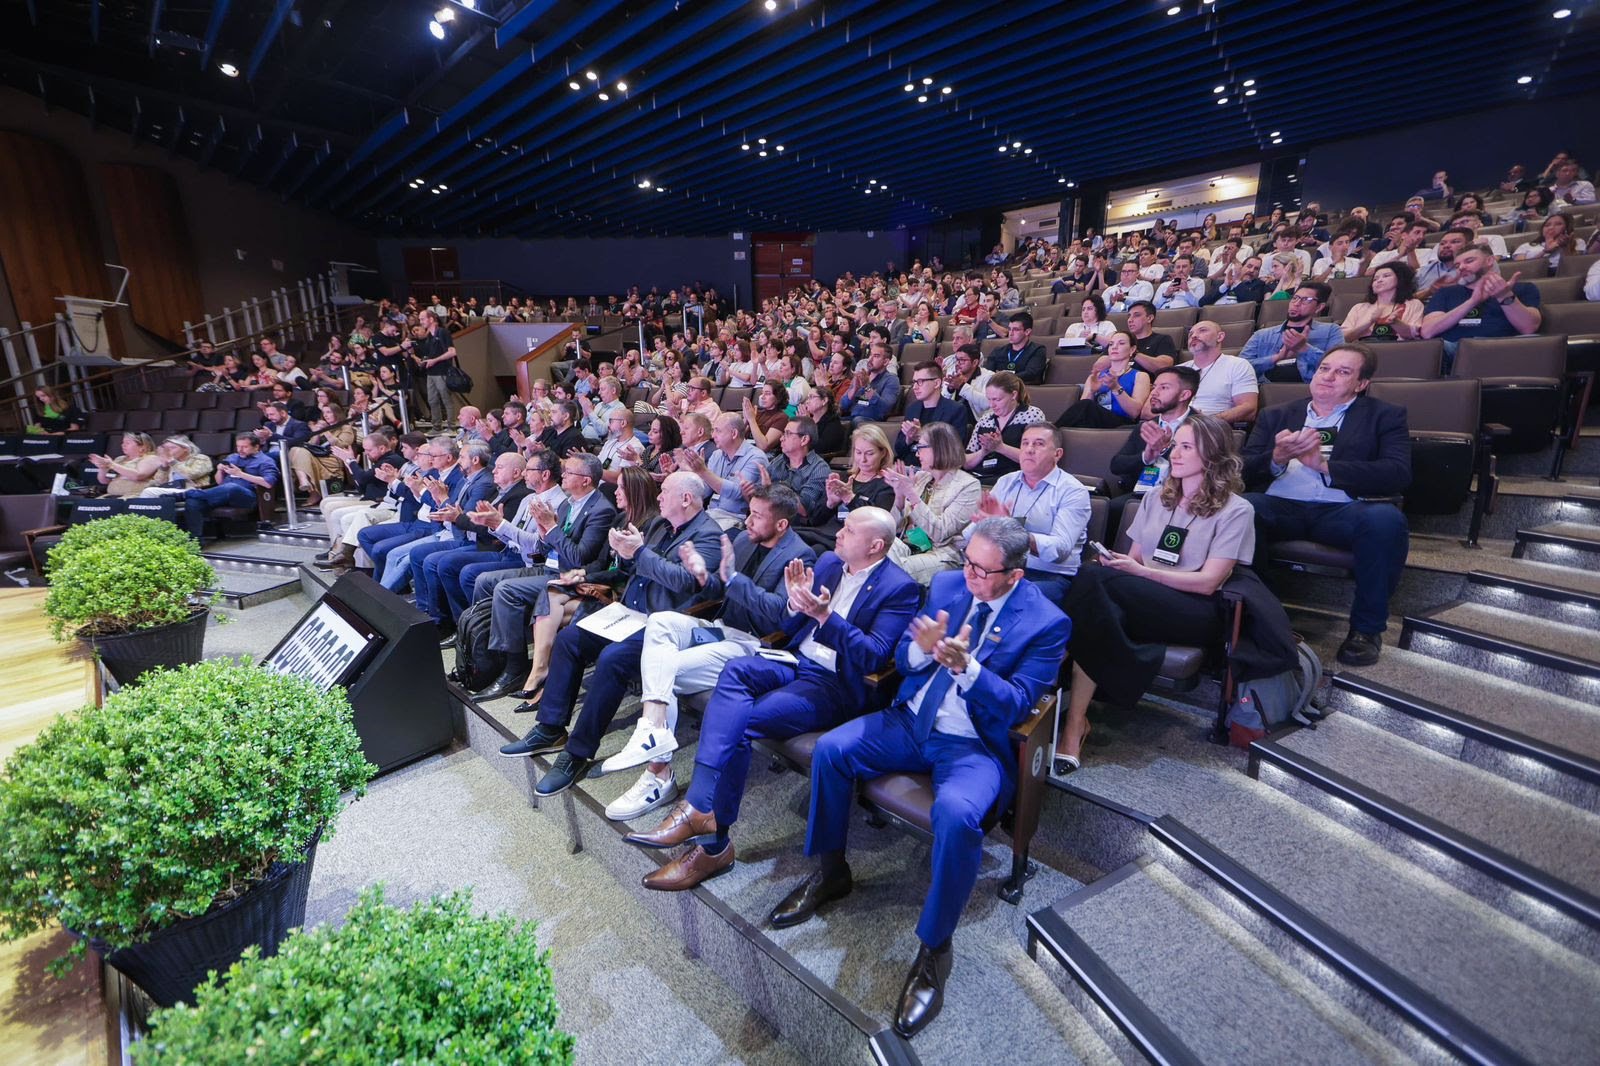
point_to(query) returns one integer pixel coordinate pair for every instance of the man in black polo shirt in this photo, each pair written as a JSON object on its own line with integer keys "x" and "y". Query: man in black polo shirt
{"x": 1153, "y": 351}
{"x": 1020, "y": 355}
{"x": 434, "y": 352}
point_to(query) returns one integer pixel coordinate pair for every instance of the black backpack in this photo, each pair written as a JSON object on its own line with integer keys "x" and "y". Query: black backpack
{"x": 476, "y": 664}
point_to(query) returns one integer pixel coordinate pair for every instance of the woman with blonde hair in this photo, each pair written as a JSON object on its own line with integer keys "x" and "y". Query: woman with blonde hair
{"x": 933, "y": 505}
{"x": 1184, "y": 543}
{"x": 1287, "y": 270}
{"x": 863, "y": 486}
{"x": 133, "y": 471}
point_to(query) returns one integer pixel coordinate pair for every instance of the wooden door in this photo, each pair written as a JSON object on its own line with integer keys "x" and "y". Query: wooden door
{"x": 782, "y": 261}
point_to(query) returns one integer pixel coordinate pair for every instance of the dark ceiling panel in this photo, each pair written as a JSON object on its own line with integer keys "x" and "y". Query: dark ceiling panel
{"x": 354, "y": 107}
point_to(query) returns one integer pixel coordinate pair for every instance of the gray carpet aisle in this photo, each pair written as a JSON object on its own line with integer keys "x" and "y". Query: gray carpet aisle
{"x": 1536, "y": 995}
{"x": 626, "y": 991}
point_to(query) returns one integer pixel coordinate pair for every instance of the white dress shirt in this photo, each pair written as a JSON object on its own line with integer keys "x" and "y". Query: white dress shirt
{"x": 952, "y": 718}
{"x": 840, "y": 603}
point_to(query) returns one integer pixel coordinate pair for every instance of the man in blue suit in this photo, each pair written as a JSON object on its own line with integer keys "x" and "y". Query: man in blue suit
{"x": 844, "y": 621}
{"x": 684, "y": 654}
{"x": 437, "y": 477}
{"x": 441, "y": 534}
{"x": 974, "y": 663}
{"x": 656, "y": 581}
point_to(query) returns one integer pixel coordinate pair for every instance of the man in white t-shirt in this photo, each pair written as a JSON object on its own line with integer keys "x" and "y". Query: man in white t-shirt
{"x": 1408, "y": 247}
{"x": 1284, "y": 240}
{"x": 1227, "y": 383}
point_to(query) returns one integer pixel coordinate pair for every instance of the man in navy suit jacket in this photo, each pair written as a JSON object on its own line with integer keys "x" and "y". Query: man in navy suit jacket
{"x": 681, "y": 653}
{"x": 929, "y": 404}
{"x": 442, "y": 466}
{"x": 1315, "y": 460}
{"x": 844, "y": 622}
{"x": 974, "y": 662}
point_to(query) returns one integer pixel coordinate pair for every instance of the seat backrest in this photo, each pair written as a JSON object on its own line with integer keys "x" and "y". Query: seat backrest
{"x": 733, "y": 398}
{"x": 1572, "y": 319}
{"x": 1089, "y": 451}
{"x": 1576, "y": 265}
{"x": 1274, "y": 393}
{"x": 1099, "y": 514}
{"x": 1559, "y": 290}
{"x": 1273, "y": 313}
{"x": 1450, "y": 405}
{"x": 912, "y": 354}
{"x": 215, "y": 443}
{"x": 1409, "y": 359}
{"x": 19, "y": 513}
{"x": 1224, "y": 314}
{"x": 1129, "y": 513}
{"x": 142, "y": 421}
{"x": 1069, "y": 369}
{"x": 1504, "y": 357}
{"x": 1054, "y": 399}
{"x": 1182, "y": 317}
{"x": 200, "y": 401}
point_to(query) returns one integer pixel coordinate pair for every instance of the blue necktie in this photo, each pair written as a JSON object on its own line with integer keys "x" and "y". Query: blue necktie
{"x": 939, "y": 687}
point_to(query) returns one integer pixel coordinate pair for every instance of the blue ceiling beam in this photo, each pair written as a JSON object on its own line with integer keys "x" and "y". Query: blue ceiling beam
{"x": 94, "y": 21}
{"x": 269, "y": 34}
{"x": 500, "y": 82}
{"x": 521, "y": 19}
{"x": 156, "y": 7}
{"x": 219, "y": 12}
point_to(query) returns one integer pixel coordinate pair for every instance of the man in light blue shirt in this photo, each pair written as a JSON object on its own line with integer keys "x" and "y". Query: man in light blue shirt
{"x": 733, "y": 461}
{"x": 1180, "y": 289}
{"x": 1291, "y": 352}
{"x": 1052, "y": 505}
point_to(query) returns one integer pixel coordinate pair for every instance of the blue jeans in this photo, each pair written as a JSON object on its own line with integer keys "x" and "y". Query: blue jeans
{"x": 379, "y": 540}
{"x": 1376, "y": 532}
{"x": 200, "y": 502}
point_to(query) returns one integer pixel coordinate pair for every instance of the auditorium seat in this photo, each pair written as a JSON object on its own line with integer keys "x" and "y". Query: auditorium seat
{"x": 915, "y": 353}
{"x": 23, "y": 519}
{"x": 105, "y": 421}
{"x": 1530, "y": 269}
{"x": 180, "y": 421}
{"x": 142, "y": 421}
{"x": 733, "y": 397}
{"x": 1054, "y": 399}
{"x": 213, "y": 442}
{"x": 1225, "y": 315}
{"x": 1558, "y": 290}
{"x": 1182, "y": 317}
{"x": 1087, "y": 455}
{"x": 216, "y": 421}
{"x": 1069, "y": 369}
{"x": 1414, "y": 360}
{"x": 1523, "y": 382}
{"x": 201, "y": 401}
{"x": 1576, "y": 265}
{"x": 233, "y": 401}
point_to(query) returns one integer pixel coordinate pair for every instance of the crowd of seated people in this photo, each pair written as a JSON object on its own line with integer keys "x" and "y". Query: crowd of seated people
{"x": 792, "y": 500}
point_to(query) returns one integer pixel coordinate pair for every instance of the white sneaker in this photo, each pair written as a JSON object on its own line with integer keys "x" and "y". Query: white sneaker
{"x": 648, "y": 744}
{"x": 647, "y": 793}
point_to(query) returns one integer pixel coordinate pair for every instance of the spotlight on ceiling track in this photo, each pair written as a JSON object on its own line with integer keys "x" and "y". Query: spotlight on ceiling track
{"x": 228, "y": 70}
{"x": 591, "y": 75}
{"x": 444, "y": 14}
{"x": 435, "y": 28}
{"x": 771, "y": 5}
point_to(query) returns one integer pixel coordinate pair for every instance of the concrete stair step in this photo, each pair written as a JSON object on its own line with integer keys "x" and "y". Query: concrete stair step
{"x": 1559, "y": 658}
{"x": 1188, "y": 983}
{"x": 1504, "y": 833}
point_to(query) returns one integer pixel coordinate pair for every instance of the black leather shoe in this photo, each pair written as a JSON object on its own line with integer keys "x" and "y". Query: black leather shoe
{"x": 799, "y": 905}
{"x": 527, "y": 707}
{"x": 923, "y": 995}
{"x": 541, "y": 740}
{"x": 509, "y": 683}
{"x": 447, "y": 638}
{"x": 566, "y": 772}
{"x": 1361, "y": 649}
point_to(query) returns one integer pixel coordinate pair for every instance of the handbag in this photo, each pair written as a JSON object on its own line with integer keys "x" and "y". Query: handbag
{"x": 457, "y": 380}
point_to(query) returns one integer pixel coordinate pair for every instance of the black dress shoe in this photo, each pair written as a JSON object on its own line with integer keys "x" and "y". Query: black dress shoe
{"x": 527, "y": 707}
{"x": 1361, "y": 649}
{"x": 799, "y": 905}
{"x": 923, "y": 995}
{"x": 509, "y": 683}
{"x": 447, "y": 638}
{"x": 566, "y": 772}
{"x": 541, "y": 740}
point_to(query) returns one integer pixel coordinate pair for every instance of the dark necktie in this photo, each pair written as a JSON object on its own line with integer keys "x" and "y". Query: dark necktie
{"x": 939, "y": 687}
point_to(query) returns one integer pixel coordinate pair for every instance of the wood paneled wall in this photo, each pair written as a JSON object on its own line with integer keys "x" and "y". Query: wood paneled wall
{"x": 49, "y": 243}
{"x": 153, "y": 242}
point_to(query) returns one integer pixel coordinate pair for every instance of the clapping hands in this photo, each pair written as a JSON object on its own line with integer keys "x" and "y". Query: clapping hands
{"x": 798, "y": 579}
{"x": 932, "y": 636}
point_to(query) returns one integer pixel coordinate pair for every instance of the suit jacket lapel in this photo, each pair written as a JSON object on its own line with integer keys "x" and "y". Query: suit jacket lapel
{"x": 998, "y": 625}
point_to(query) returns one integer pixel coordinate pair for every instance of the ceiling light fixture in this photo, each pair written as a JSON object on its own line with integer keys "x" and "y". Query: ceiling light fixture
{"x": 1174, "y": 10}
{"x": 1003, "y": 147}
{"x": 443, "y": 187}
{"x": 436, "y": 29}
{"x": 605, "y": 96}
{"x": 1249, "y": 82}
{"x": 762, "y": 153}
{"x": 1061, "y": 181}
{"x": 1222, "y": 99}
{"x": 574, "y": 86}
{"x": 1274, "y": 133}
{"x": 470, "y": 5}
{"x": 1561, "y": 12}
{"x": 1249, "y": 92}
{"x": 1072, "y": 185}
{"x": 923, "y": 98}
{"x": 645, "y": 184}
{"x": 622, "y": 86}
{"x": 873, "y": 181}
{"x": 777, "y": 147}
{"x": 946, "y": 91}
{"x": 445, "y": 14}
{"x": 927, "y": 81}
{"x": 911, "y": 87}
{"x": 1027, "y": 151}
{"x": 771, "y": 5}
{"x": 1525, "y": 79}
{"x": 761, "y": 140}
{"x": 1220, "y": 89}
{"x": 435, "y": 191}
{"x": 1016, "y": 144}
{"x": 1277, "y": 140}
{"x": 867, "y": 191}
{"x": 228, "y": 69}
{"x": 745, "y": 147}
{"x": 591, "y": 75}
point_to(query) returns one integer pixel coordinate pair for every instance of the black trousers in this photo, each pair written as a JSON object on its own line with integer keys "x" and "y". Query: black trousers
{"x": 1123, "y": 623}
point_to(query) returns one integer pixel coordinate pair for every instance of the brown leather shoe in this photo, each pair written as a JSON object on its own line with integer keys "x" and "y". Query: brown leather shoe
{"x": 689, "y": 869}
{"x": 681, "y": 823}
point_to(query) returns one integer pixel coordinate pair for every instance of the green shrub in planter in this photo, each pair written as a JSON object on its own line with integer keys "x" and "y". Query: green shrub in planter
{"x": 132, "y": 582}
{"x": 138, "y": 527}
{"x": 432, "y": 984}
{"x": 170, "y": 800}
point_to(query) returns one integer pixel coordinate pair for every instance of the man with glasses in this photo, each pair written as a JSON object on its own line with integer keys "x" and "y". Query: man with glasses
{"x": 966, "y": 379}
{"x": 1051, "y": 505}
{"x": 1291, "y": 351}
{"x": 571, "y": 536}
{"x": 697, "y": 399}
{"x": 1314, "y": 459}
{"x": 974, "y": 662}
{"x": 929, "y": 404}
{"x": 874, "y": 392}
{"x": 798, "y": 466}
{"x": 437, "y": 477}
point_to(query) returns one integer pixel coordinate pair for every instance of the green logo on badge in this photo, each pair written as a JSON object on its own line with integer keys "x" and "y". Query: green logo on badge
{"x": 1172, "y": 540}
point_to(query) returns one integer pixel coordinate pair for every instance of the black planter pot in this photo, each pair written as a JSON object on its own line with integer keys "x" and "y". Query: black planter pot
{"x": 127, "y": 655}
{"x": 175, "y": 960}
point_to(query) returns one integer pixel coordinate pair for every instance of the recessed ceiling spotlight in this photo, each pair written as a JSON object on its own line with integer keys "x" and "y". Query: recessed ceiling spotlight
{"x": 922, "y": 98}
{"x": 574, "y": 86}
{"x": 1277, "y": 140}
{"x": 1220, "y": 89}
{"x": 745, "y": 147}
{"x": 622, "y": 86}
{"x": 470, "y": 5}
{"x": 1274, "y": 133}
{"x": 777, "y": 147}
{"x": 762, "y": 153}
{"x": 591, "y": 75}
{"x": 445, "y": 14}
{"x": 228, "y": 69}
{"x": 1174, "y": 10}
{"x": 1222, "y": 99}
{"x": 1061, "y": 181}
{"x": 1249, "y": 82}
{"x": 1004, "y": 147}
{"x": 1027, "y": 151}
{"x": 1249, "y": 92}
{"x": 443, "y": 187}
{"x": 927, "y": 81}
{"x": 771, "y": 5}
{"x": 1561, "y": 12}
{"x": 436, "y": 28}
{"x": 873, "y": 181}
{"x": 435, "y": 191}
{"x": 911, "y": 87}
{"x": 761, "y": 140}
{"x": 1016, "y": 144}
{"x": 605, "y": 96}
{"x": 1072, "y": 185}
{"x": 645, "y": 184}
{"x": 867, "y": 191}
{"x": 947, "y": 90}
{"x": 1525, "y": 79}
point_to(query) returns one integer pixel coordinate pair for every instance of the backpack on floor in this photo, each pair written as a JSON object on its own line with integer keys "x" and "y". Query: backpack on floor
{"x": 475, "y": 662}
{"x": 1264, "y": 704}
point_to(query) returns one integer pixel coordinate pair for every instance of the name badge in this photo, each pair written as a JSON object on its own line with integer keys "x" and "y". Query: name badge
{"x": 1150, "y": 477}
{"x": 989, "y": 463}
{"x": 1326, "y": 437}
{"x": 552, "y": 561}
{"x": 1170, "y": 547}
{"x": 1473, "y": 318}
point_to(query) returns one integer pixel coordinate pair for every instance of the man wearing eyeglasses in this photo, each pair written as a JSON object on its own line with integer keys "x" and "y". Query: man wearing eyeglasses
{"x": 1291, "y": 352}
{"x": 974, "y": 662}
{"x": 698, "y": 399}
{"x": 1308, "y": 464}
{"x": 928, "y": 405}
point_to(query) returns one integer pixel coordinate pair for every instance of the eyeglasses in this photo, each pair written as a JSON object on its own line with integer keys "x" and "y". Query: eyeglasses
{"x": 923, "y": 445}
{"x": 981, "y": 571}
{"x": 925, "y": 381}
{"x": 1303, "y": 299}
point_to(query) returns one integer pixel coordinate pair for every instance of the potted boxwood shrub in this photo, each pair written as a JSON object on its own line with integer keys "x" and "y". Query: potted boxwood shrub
{"x": 432, "y": 984}
{"x": 133, "y": 595}
{"x": 176, "y": 824}
{"x": 117, "y": 527}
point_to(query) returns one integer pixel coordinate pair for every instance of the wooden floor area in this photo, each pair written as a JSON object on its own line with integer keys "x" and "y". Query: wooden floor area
{"x": 43, "y": 1020}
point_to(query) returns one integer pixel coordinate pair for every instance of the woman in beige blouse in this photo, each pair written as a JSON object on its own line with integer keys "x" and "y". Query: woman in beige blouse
{"x": 331, "y": 429}
{"x": 933, "y": 505}
{"x": 1389, "y": 313}
{"x": 134, "y": 470}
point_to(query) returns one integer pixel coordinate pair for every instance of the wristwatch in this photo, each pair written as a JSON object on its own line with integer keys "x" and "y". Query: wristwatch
{"x": 1508, "y": 300}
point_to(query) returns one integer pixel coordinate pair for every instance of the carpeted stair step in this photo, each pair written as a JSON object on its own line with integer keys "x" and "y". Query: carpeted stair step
{"x": 1559, "y": 658}
{"x": 1550, "y": 596}
{"x": 1575, "y": 578}
{"x": 1524, "y": 734}
{"x": 1448, "y": 961}
{"x": 1188, "y": 984}
{"x": 1569, "y": 542}
{"x": 1524, "y": 839}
